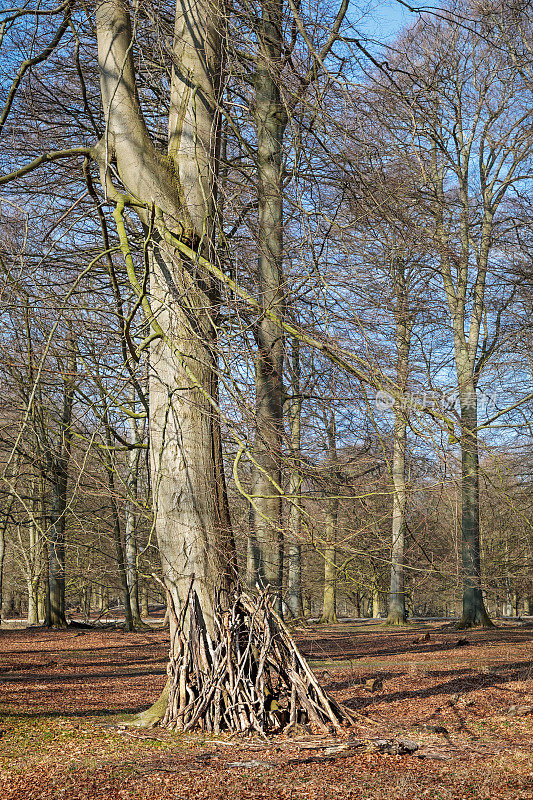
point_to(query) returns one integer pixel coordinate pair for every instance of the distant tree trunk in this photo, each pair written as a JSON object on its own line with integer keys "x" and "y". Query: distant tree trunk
{"x": 34, "y": 555}
{"x": 130, "y": 536}
{"x": 145, "y": 612}
{"x": 131, "y": 555}
{"x": 56, "y": 549}
{"x": 376, "y": 602}
{"x": 466, "y": 340}
{"x": 33, "y": 601}
{"x": 474, "y": 612}
{"x": 41, "y": 601}
{"x": 358, "y": 604}
{"x": 104, "y": 608}
{"x": 32, "y": 575}
{"x": 397, "y": 611}
{"x": 115, "y": 515}
{"x": 329, "y": 603}
{"x": 306, "y": 604}
{"x": 294, "y": 594}
{"x": 2, "y": 558}
{"x": 87, "y": 595}
{"x": 46, "y": 585}
{"x": 59, "y": 463}
{"x": 270, "y": 122}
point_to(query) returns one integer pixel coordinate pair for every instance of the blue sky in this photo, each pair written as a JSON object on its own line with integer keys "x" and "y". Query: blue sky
{"x": 384, "y": 19}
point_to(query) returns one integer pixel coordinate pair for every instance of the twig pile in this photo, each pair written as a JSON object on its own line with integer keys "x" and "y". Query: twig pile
{"x": 249, "y": 676}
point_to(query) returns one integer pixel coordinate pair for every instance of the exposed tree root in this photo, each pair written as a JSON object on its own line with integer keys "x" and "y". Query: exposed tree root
{"x": 474, "y": 621}
{"x": 248, "y": 676}
{"x": 396, "y": 618}
{"x": 152, "y": 716}
{"x": 328, "y": 619}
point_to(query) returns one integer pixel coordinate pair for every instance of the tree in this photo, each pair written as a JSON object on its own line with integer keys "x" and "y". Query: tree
{"x": 464, "y": 102}
{"x": 175, "y": 194}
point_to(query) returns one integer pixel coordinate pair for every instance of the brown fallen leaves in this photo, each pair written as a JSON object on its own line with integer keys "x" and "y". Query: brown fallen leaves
{"x": 466, "y": 710}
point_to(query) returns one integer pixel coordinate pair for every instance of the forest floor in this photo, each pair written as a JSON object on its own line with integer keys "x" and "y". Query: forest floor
{"x": 468, "y": 707}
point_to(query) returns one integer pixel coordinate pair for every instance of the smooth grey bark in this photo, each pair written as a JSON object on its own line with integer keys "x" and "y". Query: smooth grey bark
{"x": 466, "y": 342}
{"x": 31, "y": 552}
{"x": 32, "y": 617}
{"x": 131, "y": 555}
{"x": 270, "y": 120}
{"x": 191, "y": 516}
{"x": 144, "y": 602}
{"x": 474, "y": 612}
{"x": 466, "y": 328}
{"x": 397, "y": 611}
{"x": 41, "y": 598}
{"x": 329, "y": 601}
{"x": 378, "y": 601}
{"x": 33, "y": 572}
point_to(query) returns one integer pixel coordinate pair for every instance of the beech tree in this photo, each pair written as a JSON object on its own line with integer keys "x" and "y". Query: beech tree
{"x": 465, "y": 107}
{"x": 250, "y": 278}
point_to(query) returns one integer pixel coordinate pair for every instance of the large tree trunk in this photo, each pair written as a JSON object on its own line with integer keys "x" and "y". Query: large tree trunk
{"x": 466, "y": 333}
{"x": 190, "y": 503}
{"x": 397, "y": 612}
{"x": 474, "y": 612}
{"x": 266, "y": 474}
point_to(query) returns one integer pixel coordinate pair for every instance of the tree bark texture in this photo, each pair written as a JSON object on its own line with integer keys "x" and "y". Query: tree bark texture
{"x": 397, "y": 612}
{"x": 294, "y": 575}
{"x": 329, "y": 601}
{"x": 270, "y": 121}
{"x": 59, "y": 463}
{"x": 190, "y": 505}
{"x": 474, "y": 612}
